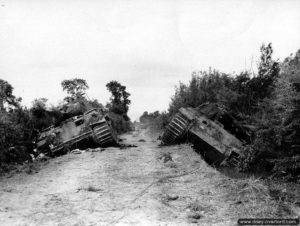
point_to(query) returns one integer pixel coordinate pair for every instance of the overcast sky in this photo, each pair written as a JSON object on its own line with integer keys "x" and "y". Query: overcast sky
{"x": 146, "y": 45}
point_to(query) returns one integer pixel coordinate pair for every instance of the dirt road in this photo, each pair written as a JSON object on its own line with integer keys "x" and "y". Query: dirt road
{"x": 143, "y": 185}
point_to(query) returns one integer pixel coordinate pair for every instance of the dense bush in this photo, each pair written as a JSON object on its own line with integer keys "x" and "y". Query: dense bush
{"x": 16, "y": 134}
{"x": 16, "y": 127}
{"x": 269, "y": 101}
{"x": 119, "y": 124}
{"x": 155, "y": 120}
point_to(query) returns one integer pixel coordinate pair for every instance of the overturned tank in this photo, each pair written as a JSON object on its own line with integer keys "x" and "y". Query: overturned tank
{"x": 232, "y": 124}
{"x": 217, "y": 145}
{"x": 91, "y": 129}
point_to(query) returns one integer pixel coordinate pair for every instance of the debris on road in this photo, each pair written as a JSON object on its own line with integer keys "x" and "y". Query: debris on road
{"x": 217, "y": 145}
{"x": 96, "y": 149}
{"x": 90, "y": 188}
{"x": 77, "y": 151}
{"x": 194, "y": 217}
{"x": 124, "y": 146}
{"x": 42, "y": 158}
{"x": 171, "y": 197}
{"x": 91, "y": 129}
{"x": 166, "y": 157}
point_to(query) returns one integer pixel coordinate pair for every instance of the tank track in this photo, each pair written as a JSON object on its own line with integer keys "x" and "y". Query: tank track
{"x": 103, "y": 134}
{"x": 175, "y": 129}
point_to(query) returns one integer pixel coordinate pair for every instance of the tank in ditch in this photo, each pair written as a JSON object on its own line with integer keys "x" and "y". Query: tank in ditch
{"x": 209, "y": 137}
{"x": 90, "y": 129}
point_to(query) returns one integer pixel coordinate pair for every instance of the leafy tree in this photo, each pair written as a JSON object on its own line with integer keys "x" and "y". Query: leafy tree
{"x": 212, "y": 86}
{"x": 148, "y": 117}
{"x": 119, "y": 101}
{"x": 38, "y": 109}
{"x": 155, "y": 120}
{"x": 144, "y": 117}
{"x": 268, "y": 71}
{"x": 278, "y": 120}
{"x": 287, "y": 100}
{"x": 76, "y": 102}
{"x": 267, "y": 66}
{"x": 94, "y": 103}
{"x": 75, "y": 87}
{"x": 6, "y": 95}
{"x": 179, "y": 99}
{"x": 39, "y": 103}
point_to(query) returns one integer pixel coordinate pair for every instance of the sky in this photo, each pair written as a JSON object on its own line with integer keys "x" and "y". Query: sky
{"x": 148, "y": 46}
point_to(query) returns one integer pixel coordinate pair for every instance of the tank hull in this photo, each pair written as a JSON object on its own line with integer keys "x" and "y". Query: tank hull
{"x": 90, "y": 129}
{"x": 209, "y": 137}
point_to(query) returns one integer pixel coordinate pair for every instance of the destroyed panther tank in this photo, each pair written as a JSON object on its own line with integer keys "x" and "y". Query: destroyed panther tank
{"x": 231, "y": 123}
{"x": 209, "y": 137}
{"x": 90, "y": 129}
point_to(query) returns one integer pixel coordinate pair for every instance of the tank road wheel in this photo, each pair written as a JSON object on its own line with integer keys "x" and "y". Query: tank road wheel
{"x": 175, "y": 129}
{"x": 103, "y": 134}
{"x": 233, "y": 160}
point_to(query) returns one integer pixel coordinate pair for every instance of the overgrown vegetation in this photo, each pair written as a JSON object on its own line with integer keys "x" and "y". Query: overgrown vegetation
{"x": 20, "y": 125}
{"x": 267, "y": 102}
{"x": 118, "y": 107}
{"x": 156, "y": 120}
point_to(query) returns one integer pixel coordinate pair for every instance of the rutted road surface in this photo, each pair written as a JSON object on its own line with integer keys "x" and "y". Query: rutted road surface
{"x": 143, "y": 185}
